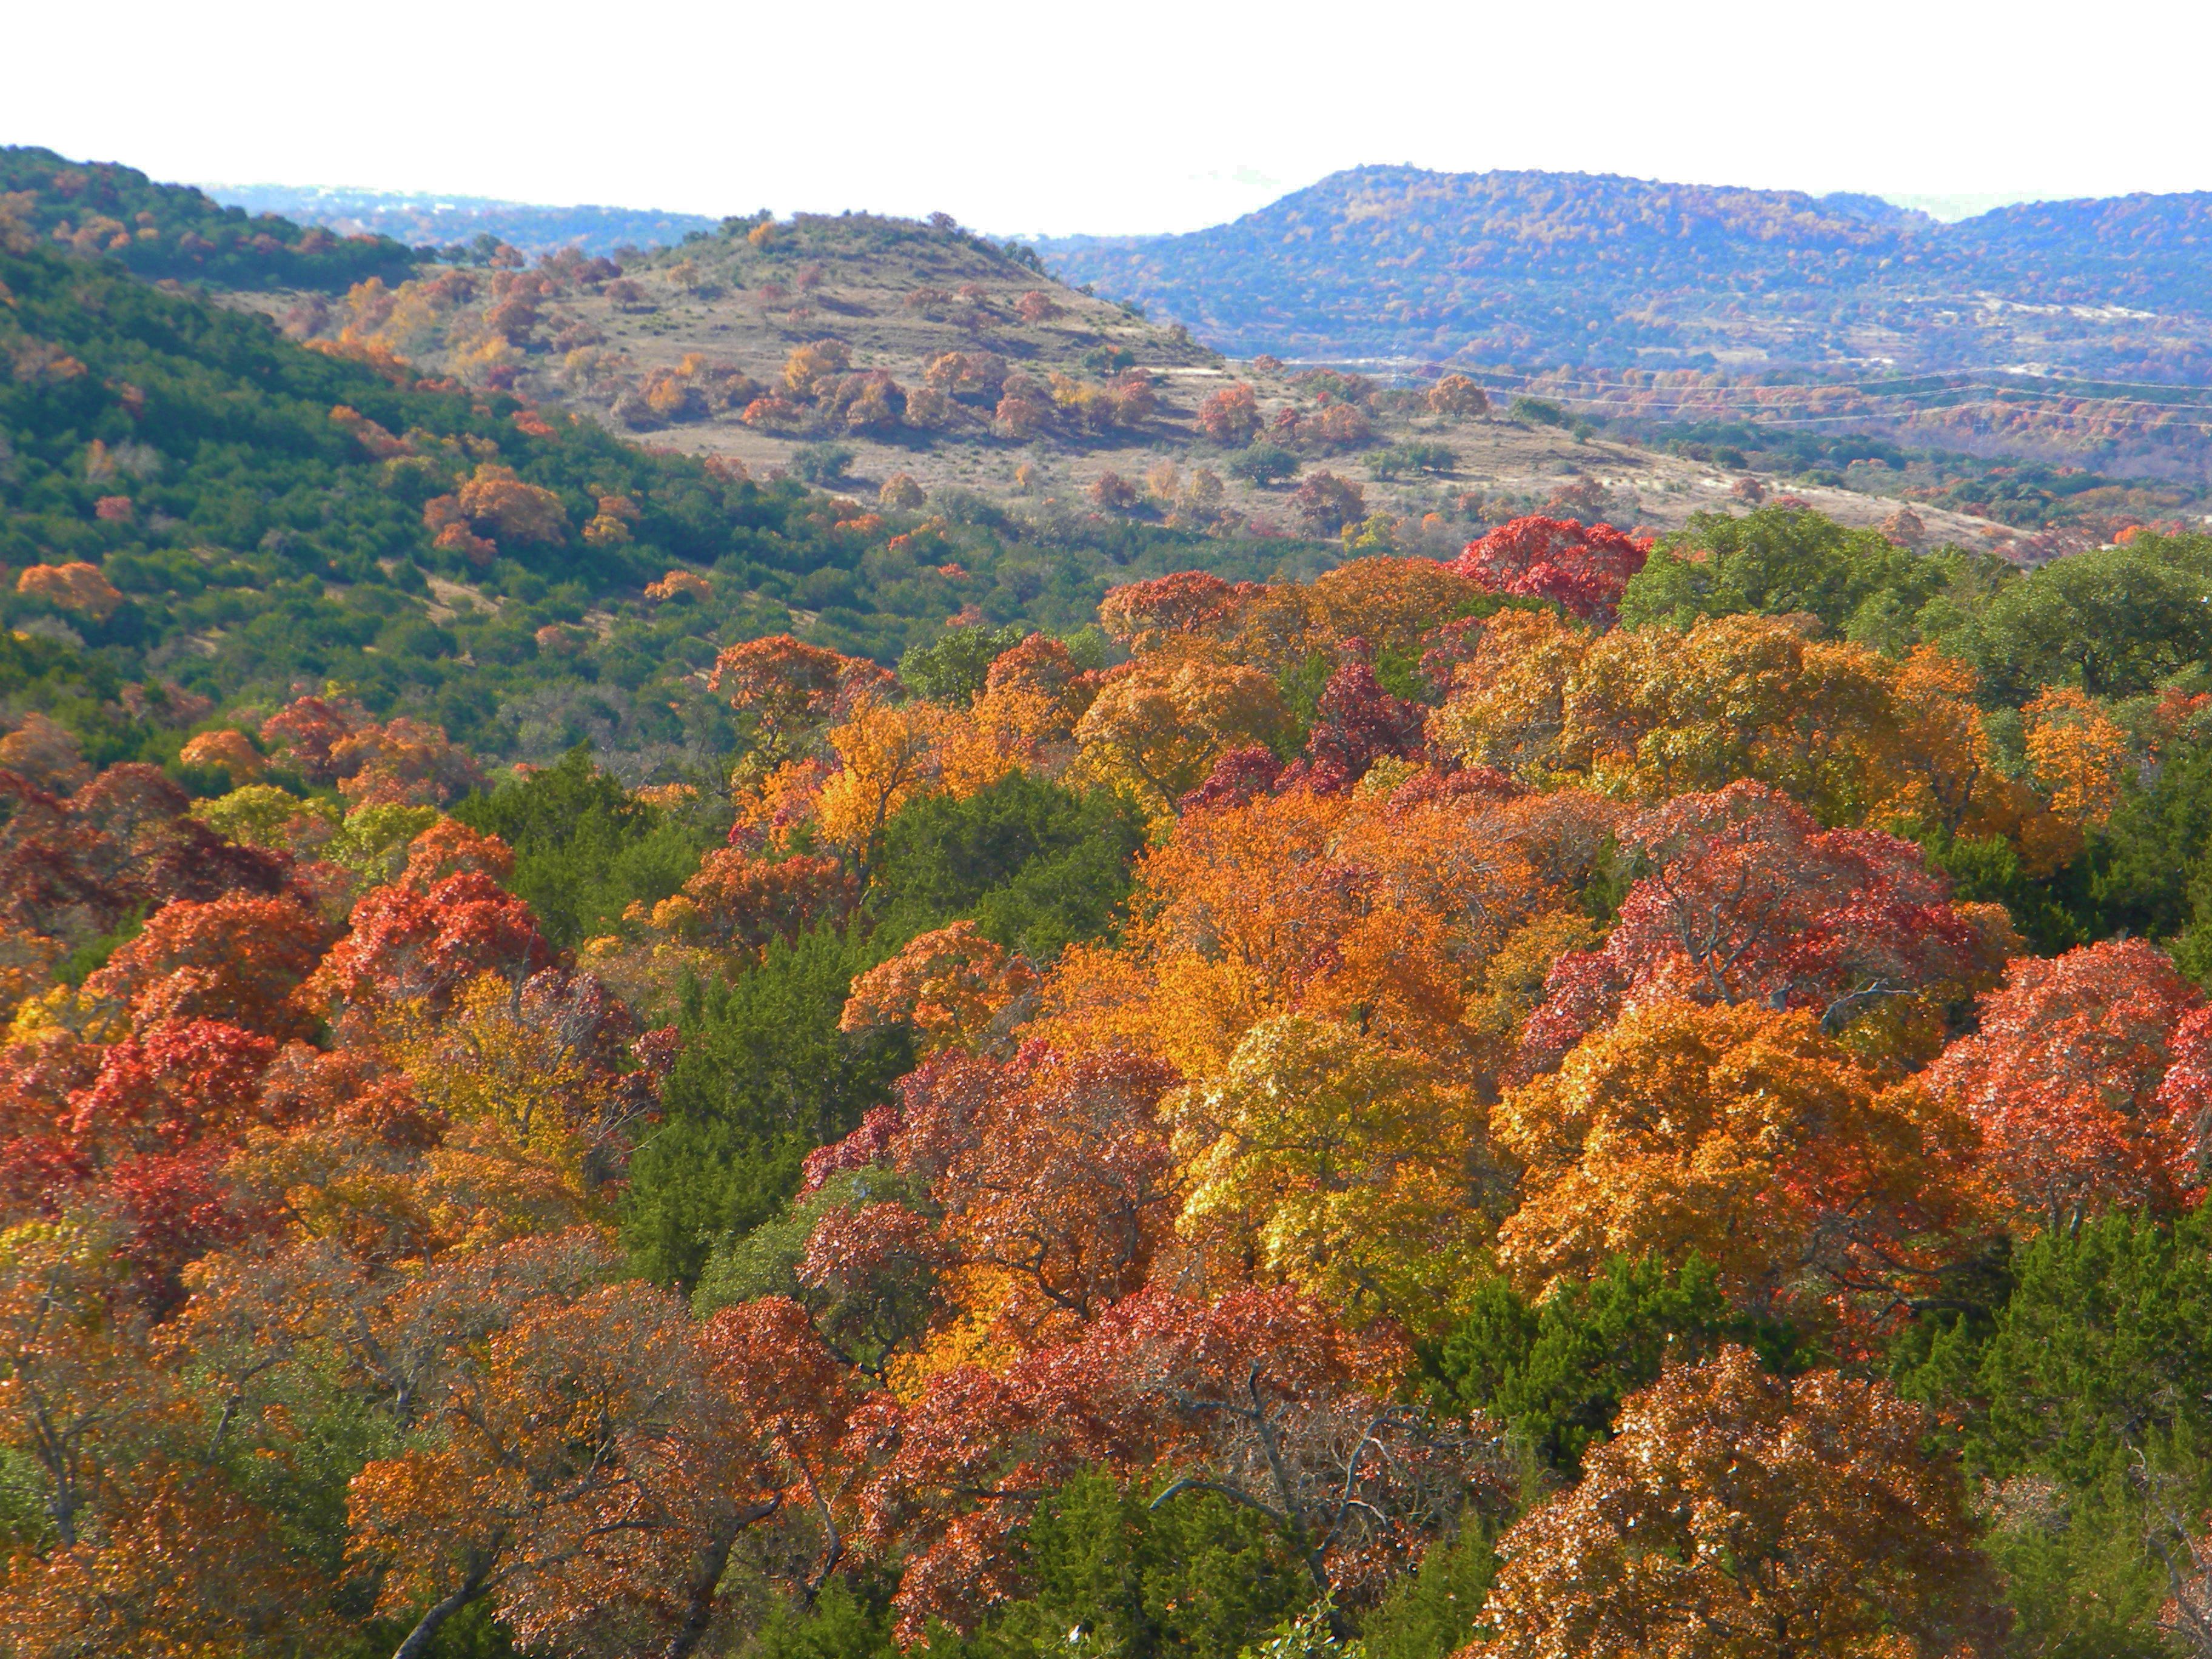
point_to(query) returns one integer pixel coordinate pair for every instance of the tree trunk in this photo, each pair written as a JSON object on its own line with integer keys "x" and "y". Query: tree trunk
{"x": 699, "y": 1611}
{"x": 426, "y": 1630}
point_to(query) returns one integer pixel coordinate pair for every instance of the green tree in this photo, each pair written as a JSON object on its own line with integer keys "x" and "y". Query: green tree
{"x": 1556, "y": 1372}
{"x": 1038, "y": 866}
{"x": 1775, "y": 561}
{"x": 2093, "y": 1381}
{"x": 952, "y": 669}
{"x": 584, "y": 848}
{"x": 2115, "y": 622}
{"x": 764, "y": 1077}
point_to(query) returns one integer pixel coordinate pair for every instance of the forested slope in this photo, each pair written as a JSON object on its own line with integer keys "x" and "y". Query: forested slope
{"x": 176, "y": 232}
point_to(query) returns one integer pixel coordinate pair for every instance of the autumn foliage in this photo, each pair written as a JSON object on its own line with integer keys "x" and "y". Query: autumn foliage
{"x": 1309, "y": 1101}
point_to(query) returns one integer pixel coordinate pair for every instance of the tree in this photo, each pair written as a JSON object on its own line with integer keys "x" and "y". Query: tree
{"x": 1329, "y": 1163}
{"x": 1144, "y": 615}
{"x": 1778, "y": 560}
{"x": 1749, "y": 903}
{"x": 809, "y": 365}
{"x": 311, "y": 728}
{"x": 1257, "y": 1398}
{"x": 1556, "y": 1371}
{"x": 1263, "y": 463}
{"x": 763, "y": 1078}
{"x": 1231, "y": 416}
{"x": 1328, "y": 503}
{"x": 789, "y": 688}
{"x": 1050, "y": 1182}
{"x": 1740, "y": 1135}
{"x": 1584, "y": 568}
{"x": 1114, "y": 492}
{"x": 243, "y": 958}
{"x": 75, "y": 1398}
{"x": 181, "y": 1081}
{"x": 1457, "y": 396}
{"x": 1738, "y": 1514}
{"x": 227, "y": 751}
{"x": 1156, "y": 728}
{"x": 1650, "y": 714}
{"x": 152, "y": 1586}
{"x": 594, "y": 1473}
{"x": 956, "y": 666}
{"x": 1356, "y": 723}
{"x": 736, "y": 901}
{"x": 402, "y": 760}
{"x": 520, "y": 512}
{"x": 2081, "y": 1398}
{"x": 75, "y": 585}
{"x": 2077, "y": 753}
{"x": 407, "y": 943}
{"x": 2064, "y": 1074}
{"x": 891, "y": 755}
{"x": 2114, "y": 621}
{"x": 950, "y": 985}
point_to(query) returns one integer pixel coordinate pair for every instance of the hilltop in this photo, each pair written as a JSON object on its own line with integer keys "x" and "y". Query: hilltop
{"x": 885, "y": 355}
{"x": 189, "y": 500}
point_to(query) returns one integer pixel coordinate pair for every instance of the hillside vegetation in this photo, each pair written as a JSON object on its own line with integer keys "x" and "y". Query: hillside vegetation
{"x": 176, "y": 232}
{"x": 458, "y": 226}
{"x": 608, "y": 1052}
{"x": 187, "y": 497}
{"x": 898, "y": 358}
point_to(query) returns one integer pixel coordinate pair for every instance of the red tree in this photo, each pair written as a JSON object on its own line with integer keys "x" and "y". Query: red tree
{"x": 1750, "y": 901}
{"x": 1584, "y": 568}
{"x": 2069, "y": 1077}
{"x": 406, "y": 943}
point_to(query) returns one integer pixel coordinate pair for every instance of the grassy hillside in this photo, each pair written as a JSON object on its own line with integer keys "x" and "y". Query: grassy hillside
{"x": 886, "y": 353}
{"x": 186, "y": 496}
{"x": 174, "y": 231}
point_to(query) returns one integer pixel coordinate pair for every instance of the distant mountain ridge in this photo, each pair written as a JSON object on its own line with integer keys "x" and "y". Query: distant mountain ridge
{"x": 427, "y": 219}
{"x": 1602, "y": 271}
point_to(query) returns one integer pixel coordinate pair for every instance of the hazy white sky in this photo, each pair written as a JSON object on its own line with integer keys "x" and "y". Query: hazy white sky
{"x": 1138, "y": 115}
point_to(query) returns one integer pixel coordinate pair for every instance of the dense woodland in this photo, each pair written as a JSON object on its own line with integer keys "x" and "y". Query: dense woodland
{"x": 1580, "y": 1100}
{"x": 1582, "y": 1097}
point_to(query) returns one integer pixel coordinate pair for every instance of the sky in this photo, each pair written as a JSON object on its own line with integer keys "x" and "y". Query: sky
{"x": 1141, "y": 116}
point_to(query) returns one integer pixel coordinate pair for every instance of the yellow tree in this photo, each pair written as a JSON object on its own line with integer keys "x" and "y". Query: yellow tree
{"x": 1336, "y": 1166}
{"x": 1158, "y": 728}
{"x": 1647, "y": 714}
{"x": 890, "y": 752}
{"x": 2078, "y": 754}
